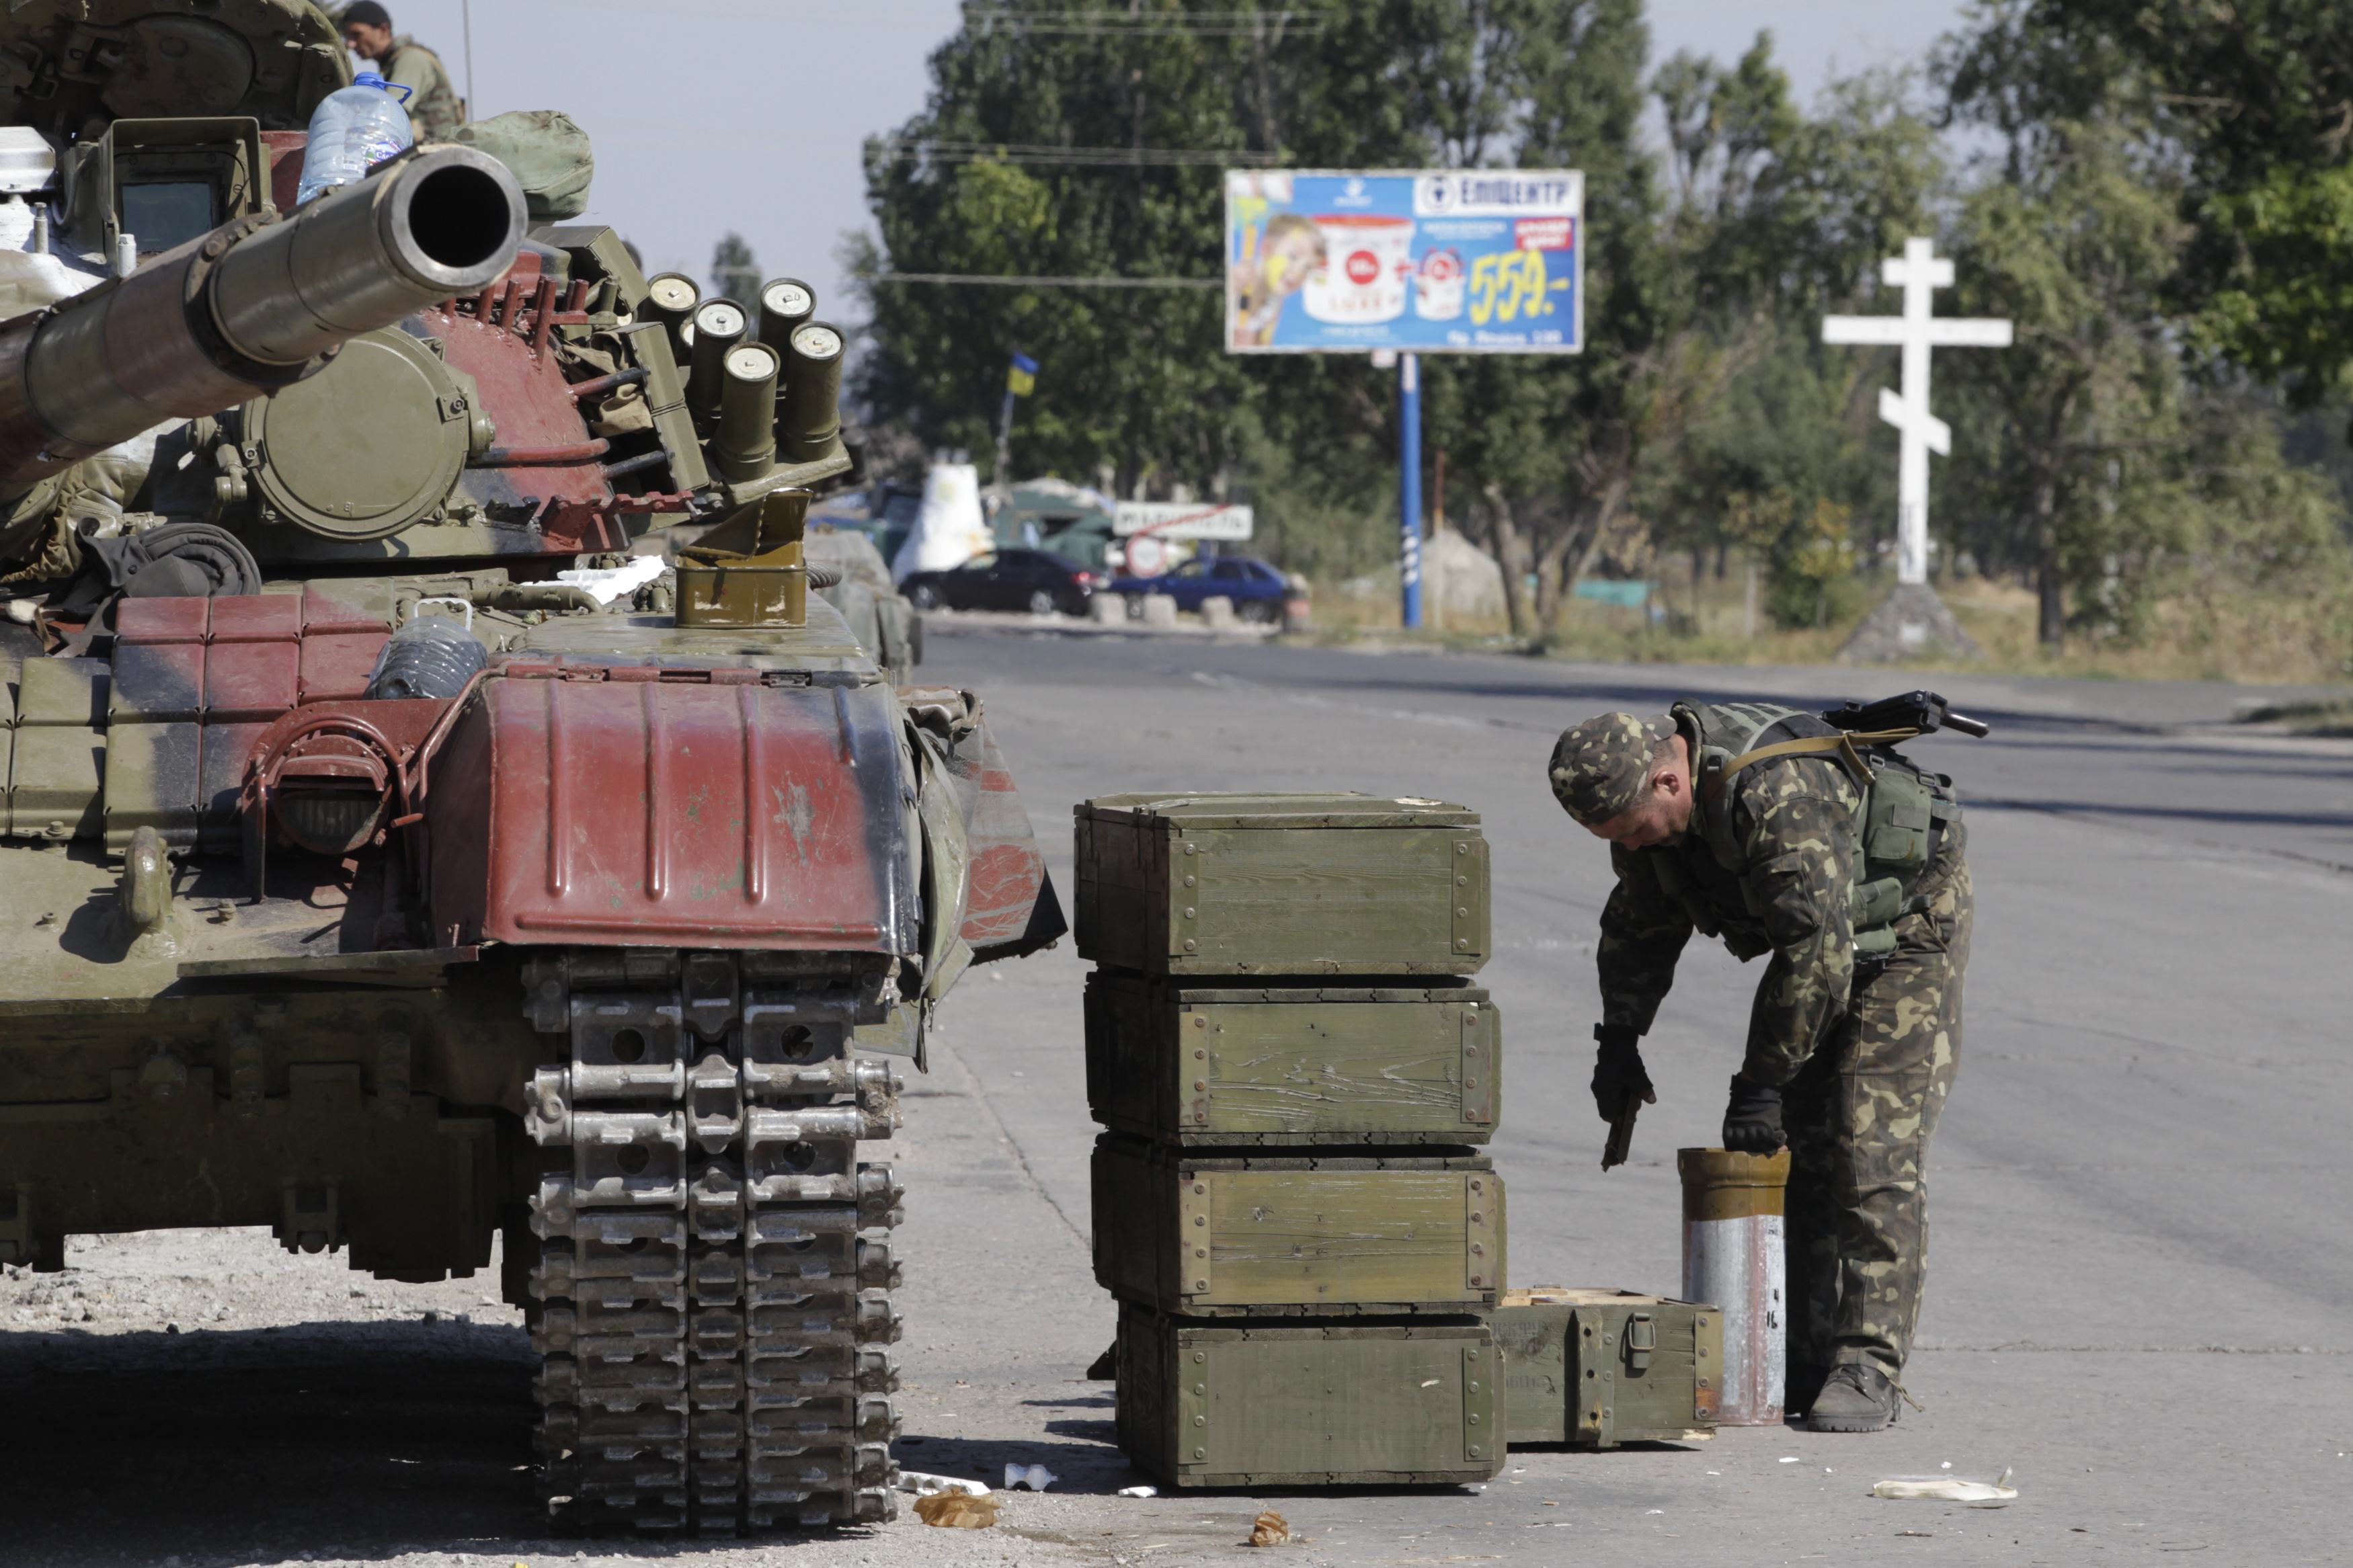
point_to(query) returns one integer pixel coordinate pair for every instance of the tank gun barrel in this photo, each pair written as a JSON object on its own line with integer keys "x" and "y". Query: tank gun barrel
{"x": 256, "y": 305}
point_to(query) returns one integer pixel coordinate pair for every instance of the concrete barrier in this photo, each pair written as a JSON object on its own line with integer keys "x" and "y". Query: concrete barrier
{"x": 1107, "y": 610}
{"x": 1218, "y": 612}
{"x": 1159, "y": 610}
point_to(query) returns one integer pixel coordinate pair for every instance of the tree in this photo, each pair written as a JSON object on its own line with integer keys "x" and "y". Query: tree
{"x": 1777, "y": 219}
{"x": 2075, "y": 251}
{"x": 735, "y": 271}
{"x": 2252, "y": 104}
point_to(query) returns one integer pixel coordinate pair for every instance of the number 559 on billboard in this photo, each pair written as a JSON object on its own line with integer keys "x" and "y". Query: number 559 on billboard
{"x": 1431, "y": 261}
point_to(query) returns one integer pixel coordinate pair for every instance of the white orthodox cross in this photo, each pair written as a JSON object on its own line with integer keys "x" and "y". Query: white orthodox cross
{"x": 1915, "y": 331}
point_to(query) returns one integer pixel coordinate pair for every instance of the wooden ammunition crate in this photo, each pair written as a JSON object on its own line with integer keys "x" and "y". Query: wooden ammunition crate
{"x": 1204, "y": 1404}
{"x": 1292, "y": 1066}
{"x": 1281, "y": 884}
{"x": 1270, "y": 1235}
{"x": 1597, "y": 1368}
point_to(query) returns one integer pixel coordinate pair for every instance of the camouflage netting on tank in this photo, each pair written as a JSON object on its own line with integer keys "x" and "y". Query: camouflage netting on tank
{"x": 547, "y": 150}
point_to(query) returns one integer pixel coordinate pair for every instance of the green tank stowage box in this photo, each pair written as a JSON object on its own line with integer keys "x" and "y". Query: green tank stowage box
{"x": 1282, "y": 885}
{"x": 1597, "y": 1368}
{"x": 1317, "y": 1405}
{"x": 1293, "y": 1066}
{"x": 1269, "y": 1236}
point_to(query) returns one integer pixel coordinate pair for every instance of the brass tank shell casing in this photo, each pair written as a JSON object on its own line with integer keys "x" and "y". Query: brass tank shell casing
{"x": 250, "y": 308}
{"x": 784, "y": 304}
{"x": 812, "y": 412}
{"x": 719, "y": 325}
{"x": 744, "y": 446}
{"x": 1735, "y": 1256}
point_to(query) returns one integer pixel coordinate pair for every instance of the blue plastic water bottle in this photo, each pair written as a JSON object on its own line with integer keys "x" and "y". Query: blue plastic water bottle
{"x": 353, "y": 130}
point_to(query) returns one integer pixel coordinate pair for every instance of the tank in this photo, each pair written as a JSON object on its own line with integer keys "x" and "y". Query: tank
{"x": 449, "y": 818}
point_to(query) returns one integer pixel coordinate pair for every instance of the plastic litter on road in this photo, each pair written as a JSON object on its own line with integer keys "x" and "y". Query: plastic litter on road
{"x": 1946, "y": 1488}
{"x": 924, "y": 1485}
{"x": 1034, "y": 1478}
{"x": 1139, "y": 1492}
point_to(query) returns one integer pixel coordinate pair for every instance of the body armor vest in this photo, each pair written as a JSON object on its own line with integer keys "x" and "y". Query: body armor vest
{"x": 1897, "y": 827}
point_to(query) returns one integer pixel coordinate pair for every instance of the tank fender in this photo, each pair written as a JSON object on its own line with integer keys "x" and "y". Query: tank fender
{"x": 625, "y": 805}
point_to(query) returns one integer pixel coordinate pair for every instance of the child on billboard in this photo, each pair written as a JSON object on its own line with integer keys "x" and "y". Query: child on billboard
{"x": 1289, "y": 251}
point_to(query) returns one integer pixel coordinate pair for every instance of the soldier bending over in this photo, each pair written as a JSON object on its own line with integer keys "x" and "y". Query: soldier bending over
{"x": 1846, "y": 867}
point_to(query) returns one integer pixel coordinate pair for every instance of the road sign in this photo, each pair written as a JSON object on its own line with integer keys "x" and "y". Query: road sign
{"x": 1430, "y": 260}
{"x": 1181, "y": 519}
{"x": 1145, "y": 555}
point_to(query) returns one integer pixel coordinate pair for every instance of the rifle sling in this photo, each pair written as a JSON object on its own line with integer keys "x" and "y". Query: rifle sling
{"x": 1844, "y": 745}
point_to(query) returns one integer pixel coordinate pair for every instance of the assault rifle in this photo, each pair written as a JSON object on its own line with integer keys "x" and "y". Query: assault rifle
{"x": 1923, "y": 710}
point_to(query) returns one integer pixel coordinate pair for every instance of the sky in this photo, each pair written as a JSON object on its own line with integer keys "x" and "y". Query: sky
{"x": 754, "y": 117}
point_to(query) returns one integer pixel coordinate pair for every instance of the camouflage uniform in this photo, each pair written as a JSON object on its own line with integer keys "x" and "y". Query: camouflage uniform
{"x": 1864, "y": 1053}
{"x": 435, "y": 110}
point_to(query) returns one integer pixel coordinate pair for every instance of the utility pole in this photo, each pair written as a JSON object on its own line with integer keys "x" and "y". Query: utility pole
{"x": 1409, "y": 487}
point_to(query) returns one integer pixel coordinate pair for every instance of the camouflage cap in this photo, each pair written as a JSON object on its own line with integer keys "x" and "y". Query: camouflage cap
{"x": 1599, "y": 766}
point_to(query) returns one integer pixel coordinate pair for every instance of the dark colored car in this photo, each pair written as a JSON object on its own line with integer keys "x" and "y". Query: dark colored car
{"x": 1038, "y": 581}
{"x": 1256, "y": 588}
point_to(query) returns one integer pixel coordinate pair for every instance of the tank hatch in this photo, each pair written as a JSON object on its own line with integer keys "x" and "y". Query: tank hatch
{"x": 67, "y": 65}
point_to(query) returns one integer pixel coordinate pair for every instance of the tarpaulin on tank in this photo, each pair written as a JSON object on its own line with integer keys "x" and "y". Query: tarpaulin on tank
{"x": 1009, "y": 908}
{"x": 631, "y": 805}
{"x": 547, "y": 150}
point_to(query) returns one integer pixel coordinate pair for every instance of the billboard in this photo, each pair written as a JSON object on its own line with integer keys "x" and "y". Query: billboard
{"x": 1429, "y": 261}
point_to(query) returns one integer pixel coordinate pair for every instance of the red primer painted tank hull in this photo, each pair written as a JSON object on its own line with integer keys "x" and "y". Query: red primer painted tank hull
{"x": 615, "y": 806}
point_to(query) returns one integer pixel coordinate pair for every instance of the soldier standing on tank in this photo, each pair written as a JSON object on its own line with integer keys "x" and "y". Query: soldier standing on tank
{"x": 1856, "y": 1029}
{"x": 434, "y": 110}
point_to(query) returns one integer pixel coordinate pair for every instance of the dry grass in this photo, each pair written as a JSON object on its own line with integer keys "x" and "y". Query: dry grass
{"x": 2231, "y": 634}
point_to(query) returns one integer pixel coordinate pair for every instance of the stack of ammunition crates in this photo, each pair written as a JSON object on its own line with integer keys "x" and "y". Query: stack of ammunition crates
{"x": 1296, "y": 1075}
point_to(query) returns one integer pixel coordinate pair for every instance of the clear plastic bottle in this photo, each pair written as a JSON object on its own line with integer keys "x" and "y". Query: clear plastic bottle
{"x": 353, "y": 130}
{"x": 432, "y": 656}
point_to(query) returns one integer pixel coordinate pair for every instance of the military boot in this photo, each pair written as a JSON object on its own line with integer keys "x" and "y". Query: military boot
{"x": 1854, "y": 1399}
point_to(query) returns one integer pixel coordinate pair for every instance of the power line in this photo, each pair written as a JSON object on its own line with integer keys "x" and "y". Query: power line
{"x": 1122, "y": 23}
{"x": 940, "y": 152}
{"x": 997, "y": 280}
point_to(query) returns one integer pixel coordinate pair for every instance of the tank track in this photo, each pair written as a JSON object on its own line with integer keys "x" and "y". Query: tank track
{"x": 711, "y": 1299}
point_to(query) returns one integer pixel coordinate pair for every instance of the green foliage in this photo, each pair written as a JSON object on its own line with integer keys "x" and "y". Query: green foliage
{"x": 2252, "y": 102}
{"x": 1809, "y": 554}
{"x": 735, "y": 271}
{"x": 2282, "y": 305}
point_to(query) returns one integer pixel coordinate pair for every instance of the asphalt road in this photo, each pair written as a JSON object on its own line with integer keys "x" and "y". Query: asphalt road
{"x": 2138, "y": 1301}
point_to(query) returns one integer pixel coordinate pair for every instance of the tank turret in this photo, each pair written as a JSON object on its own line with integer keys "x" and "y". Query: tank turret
{"x": 258, "y": 304}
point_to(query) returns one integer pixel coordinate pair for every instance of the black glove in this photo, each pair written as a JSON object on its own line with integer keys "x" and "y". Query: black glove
{"x": 1617, "y": 1070}
{"x": 1752, "y": 1122}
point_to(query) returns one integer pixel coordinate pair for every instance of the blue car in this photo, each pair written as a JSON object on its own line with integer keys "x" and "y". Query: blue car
{"x": 1256, "y": 588}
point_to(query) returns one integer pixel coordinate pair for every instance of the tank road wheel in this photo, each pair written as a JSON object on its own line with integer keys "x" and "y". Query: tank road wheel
{"x": 712, "y": 1296}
